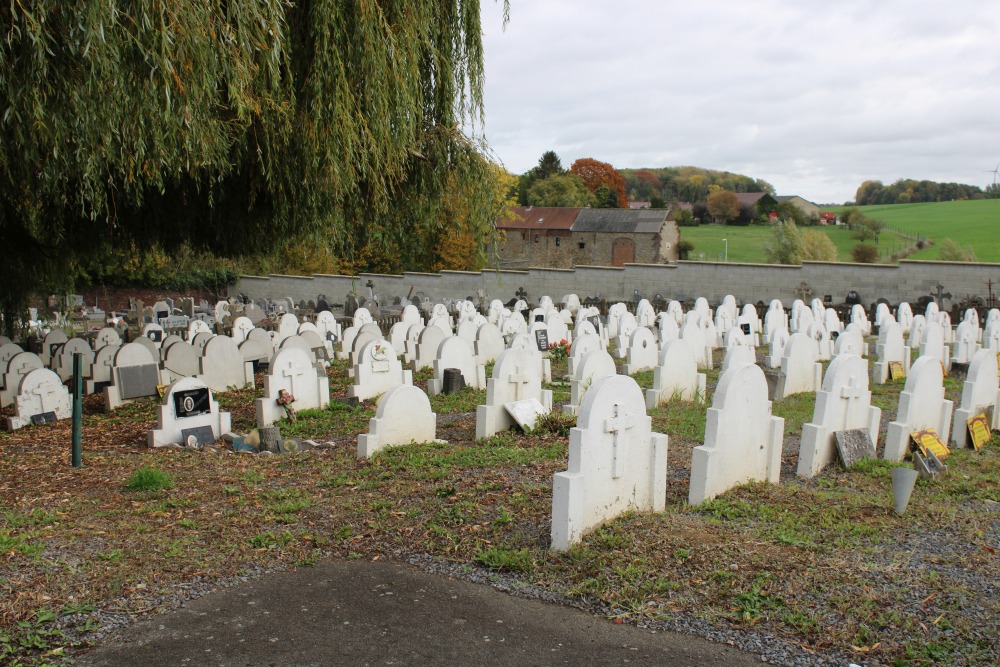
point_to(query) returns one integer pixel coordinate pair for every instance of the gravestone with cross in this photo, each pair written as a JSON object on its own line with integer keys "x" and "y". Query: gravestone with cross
{"x": 616, "y": 462}
{"x": 62, "y": 362}
{"x": 980, "y": 395}
{"x": 742, "y": 437}
{"x": 403, "y": 416}
{"x": 292, "y": 369}
{"x": 922, "y": 405}
{"x": 41, "y": 397}
{"x": 187, "y": 405}
{"x": 100, "y": 370}
{"x": 456, "y": 352}
{"x": 378, "y": 370}
{"x": 515, "y": 378}
{"x": 803, "y": 291}
{"x": 843, "y": 404}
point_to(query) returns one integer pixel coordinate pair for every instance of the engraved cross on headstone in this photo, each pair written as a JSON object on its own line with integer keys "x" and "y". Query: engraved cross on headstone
{"x": 520, "y": 379}
{"x": 44, "y": 392}
{"x": 852, "y": 391}
{"x": 616, "y": 424}
{"x": 292, "y": 372}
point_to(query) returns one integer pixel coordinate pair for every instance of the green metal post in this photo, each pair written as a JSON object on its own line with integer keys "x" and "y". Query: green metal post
{"x": 77, "y": 410}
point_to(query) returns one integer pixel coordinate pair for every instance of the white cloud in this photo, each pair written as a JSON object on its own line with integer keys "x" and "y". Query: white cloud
{"x": 814, "y": 97}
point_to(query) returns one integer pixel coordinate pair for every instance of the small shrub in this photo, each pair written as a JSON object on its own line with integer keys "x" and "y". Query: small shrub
{"x": 864, "y": 253}
{"x": 512, "y": 560}
{"x": 556, "y": 423}
{"x": 149, "y": 478}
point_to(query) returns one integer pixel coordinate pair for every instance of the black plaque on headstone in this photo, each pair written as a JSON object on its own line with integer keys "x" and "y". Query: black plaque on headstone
{"x": 542, "y": 340}
{"x": 54, "y": 349}
{"x": 138, "y": 381}
{"x": 203, "y": 434}
{"x": 596, "y": 321}
{"x": 539, "y": 317}
{"x": 162, "y": 314}
{"x": 745, "y": 327}
{"x": 854, "y": 445}
{"x": 192, "y": 402}
{"x": 44, "y": 418}
{"x": 155, "y": 336}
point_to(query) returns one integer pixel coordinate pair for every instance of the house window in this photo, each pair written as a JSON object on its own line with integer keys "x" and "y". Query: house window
{"x": 557, "y": 240}
{"x": 582, "y": 245}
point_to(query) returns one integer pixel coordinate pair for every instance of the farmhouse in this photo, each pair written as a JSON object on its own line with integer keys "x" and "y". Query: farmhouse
{"x": 810, "y": 209}
{"x": 563, "y": 237}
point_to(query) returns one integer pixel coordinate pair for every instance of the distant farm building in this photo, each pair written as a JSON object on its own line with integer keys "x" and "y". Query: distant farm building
{"x": 563, "y": 237}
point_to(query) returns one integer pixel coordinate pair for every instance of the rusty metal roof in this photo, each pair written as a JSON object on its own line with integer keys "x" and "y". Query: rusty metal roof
{"x": 620, "y": 220}
{"x": 540, "y": 217}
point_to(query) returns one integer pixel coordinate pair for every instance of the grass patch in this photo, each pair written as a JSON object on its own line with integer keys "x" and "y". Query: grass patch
{"x": 149, "y": 478}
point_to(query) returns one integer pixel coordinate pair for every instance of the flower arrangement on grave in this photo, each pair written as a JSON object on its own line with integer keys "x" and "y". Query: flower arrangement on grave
{"x": 559, "y": 351}
{"x": 285, "y": 400}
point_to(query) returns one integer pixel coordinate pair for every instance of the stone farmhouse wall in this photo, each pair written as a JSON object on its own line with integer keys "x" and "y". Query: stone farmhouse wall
{"x": 560, "y": 248}
{"x": 908, "y": 281}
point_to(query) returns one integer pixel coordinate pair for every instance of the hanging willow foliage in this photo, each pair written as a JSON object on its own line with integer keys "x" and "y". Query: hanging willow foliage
{"x": 234, "y": 123}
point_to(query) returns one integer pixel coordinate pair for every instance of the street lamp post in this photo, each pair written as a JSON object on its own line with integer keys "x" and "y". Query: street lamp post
{"x": 726, "y": 241}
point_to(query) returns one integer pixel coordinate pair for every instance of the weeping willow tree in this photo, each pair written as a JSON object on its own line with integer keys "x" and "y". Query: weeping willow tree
{"x": 234, "y": 125}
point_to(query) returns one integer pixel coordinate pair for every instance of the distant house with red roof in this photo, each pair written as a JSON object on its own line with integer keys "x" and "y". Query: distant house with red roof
{"x": 563, "y": 237}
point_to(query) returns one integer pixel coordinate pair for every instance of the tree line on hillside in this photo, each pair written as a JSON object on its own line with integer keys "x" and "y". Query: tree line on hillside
{"x": 686, "y": 184}
{"x": 247, "y": 128}
{"x": 909, "y": 191}
{"x": 588, "y": 182}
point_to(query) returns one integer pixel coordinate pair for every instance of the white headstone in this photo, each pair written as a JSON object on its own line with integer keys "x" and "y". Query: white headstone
{"x": 50, "y": 344}
{"x": 980, "y": 395}
{"x": 583, "y": 344}
{"x": 18, "y": 366}
{"x": 127, "y": 356}
{"x": 62, "y": 363}
{"x": 100, "y": 370}
{"x": 185, "y": 406}
{"x": 489, "y": 343}
{"x": 800, "y": 370}
{"x": 455, "y": 352}
{"x": 515, "y": 378}
{"x": 934, "y": 344}
{"x": 179, "y": 360}
{"x": 738, "y": 355}
{"x": 426, "y": 348}
{"x": 852, "y": 341}
{"x": 922, "y": 405}
{"x": 616, "y": 462}
{"x": 642, "y": 353}
{"x": 890, "y": 349}
{"x": 843, "y": 404}
{"x": 742, "y": 437}
{"x": 676, "y": 375}
{"x": 378, "y": 370}
{"x": 292, "y": 369}
{"x": 966, "y": 342}
{"x": 39, "y": 392}
{"x": 107, "y": 336}
{"x": 904, "y": 315}
{"x": 594, "y": 365}
{"x": 222, "y": 366}
{"x": 403, "y": 416}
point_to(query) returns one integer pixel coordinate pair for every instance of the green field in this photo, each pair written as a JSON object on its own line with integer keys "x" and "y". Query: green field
{"x": 968, "y": 223}
{"x": 746, "y": 244}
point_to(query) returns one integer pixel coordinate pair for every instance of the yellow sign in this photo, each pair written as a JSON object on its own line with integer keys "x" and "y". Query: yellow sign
{"x": 896, "y": 371}
{"x": 928, "y": 441}
{"x": 161, "y": 389}
{"x": 979, "y": 430}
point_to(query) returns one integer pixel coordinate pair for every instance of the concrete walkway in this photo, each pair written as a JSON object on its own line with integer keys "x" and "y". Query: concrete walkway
{"x": 363, "y": 613}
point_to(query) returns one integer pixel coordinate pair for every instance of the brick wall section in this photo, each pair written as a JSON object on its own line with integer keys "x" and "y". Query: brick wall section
{"x": 747, "y": 282}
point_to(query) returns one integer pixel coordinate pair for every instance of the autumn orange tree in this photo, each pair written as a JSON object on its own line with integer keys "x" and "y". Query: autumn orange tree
{"x": 595, "y": 174}
{"x": 723, "y": 205}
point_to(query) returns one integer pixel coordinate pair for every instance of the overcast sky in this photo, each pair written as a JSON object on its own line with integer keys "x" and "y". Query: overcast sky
{"x": 813, "y": 97}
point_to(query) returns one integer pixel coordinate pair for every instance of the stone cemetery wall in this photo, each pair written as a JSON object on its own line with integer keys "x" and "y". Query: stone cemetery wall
{"x": 747, "y": 282}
